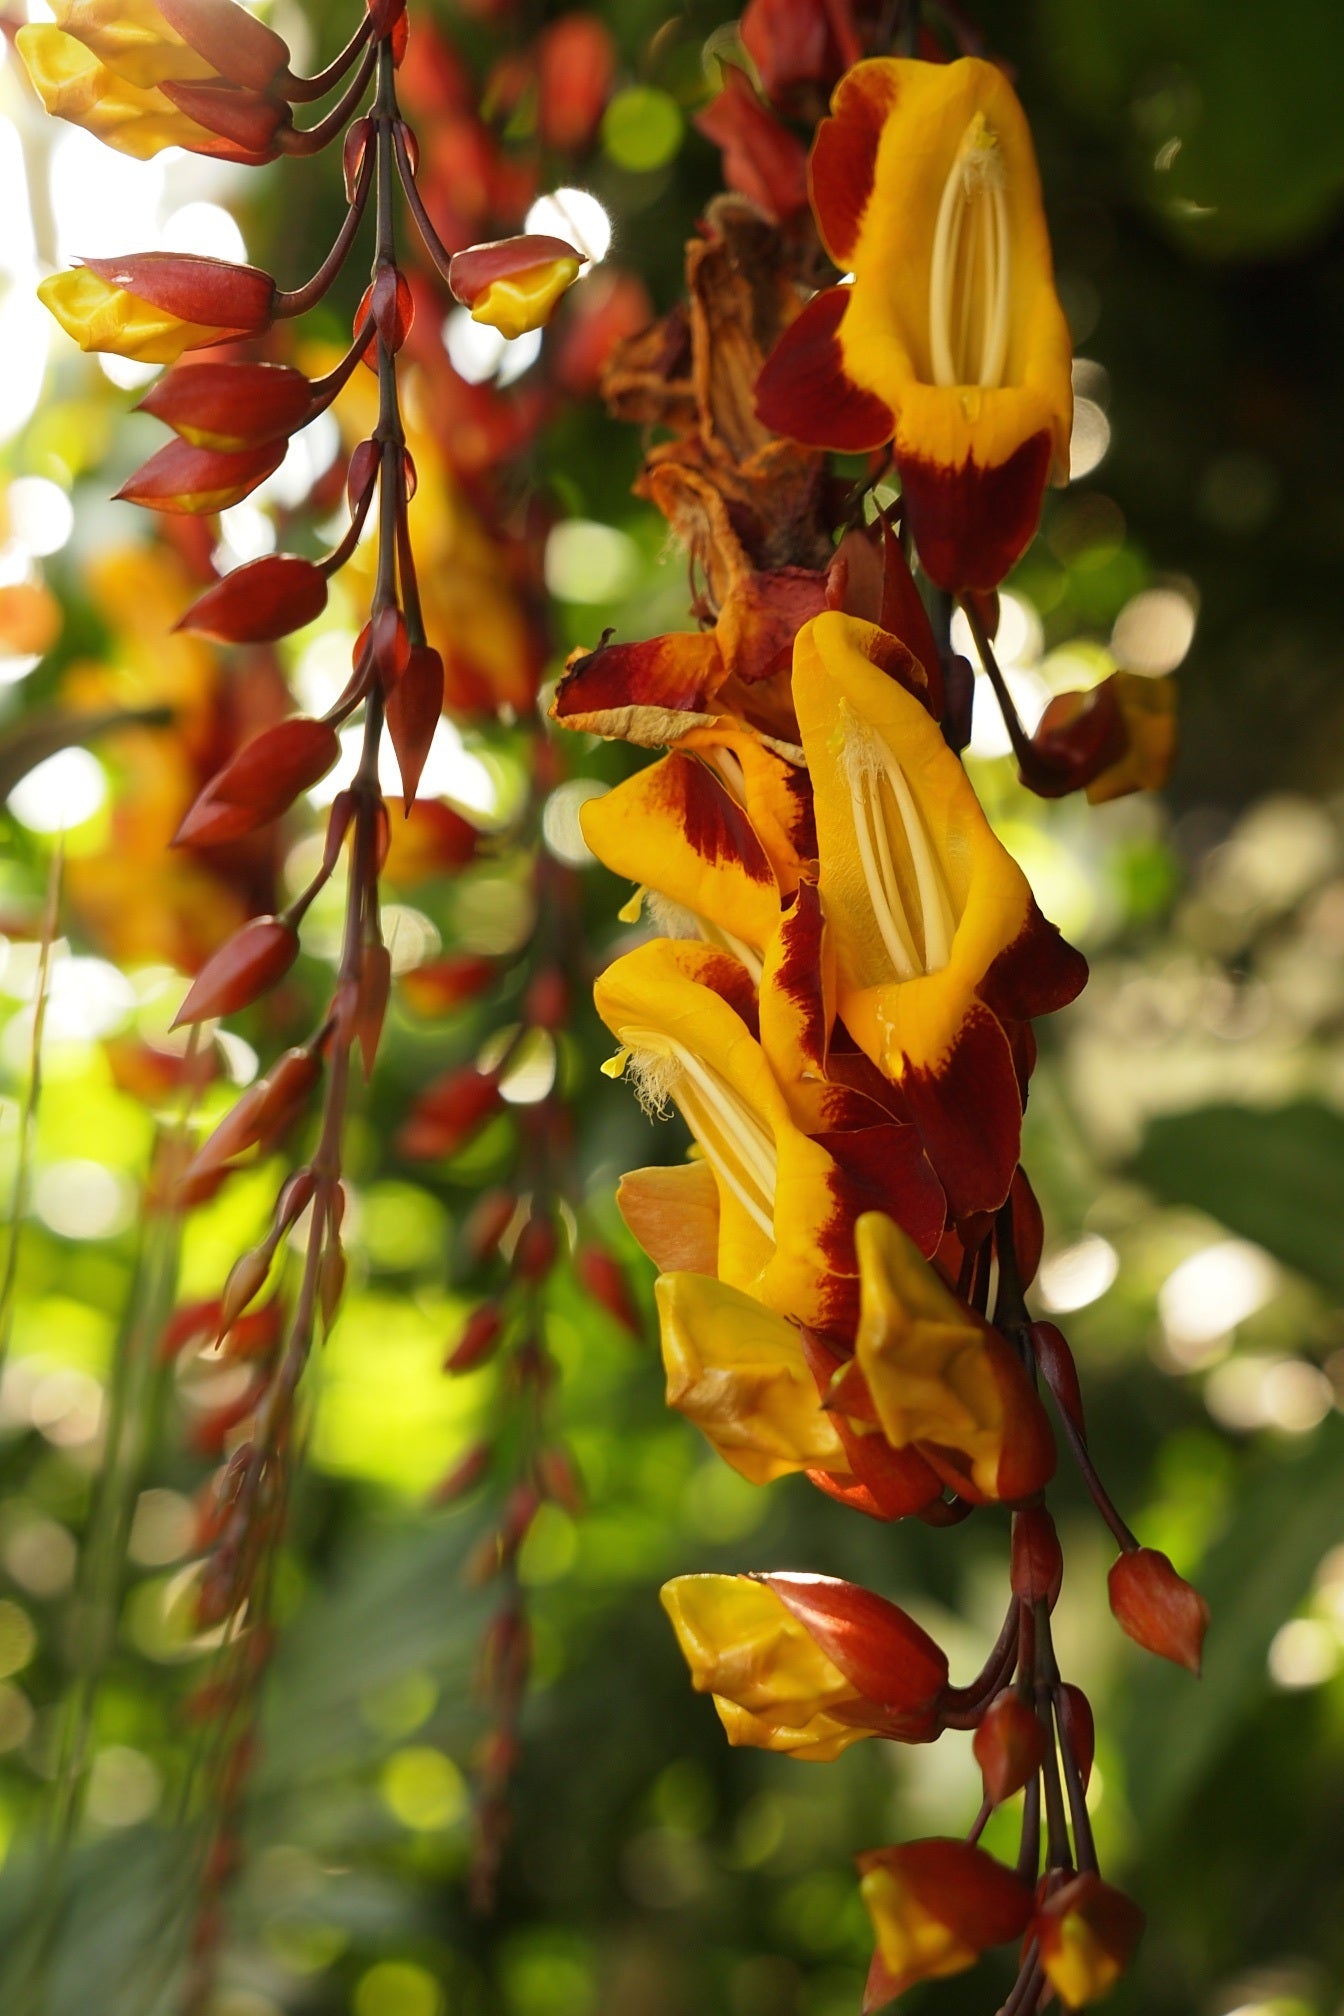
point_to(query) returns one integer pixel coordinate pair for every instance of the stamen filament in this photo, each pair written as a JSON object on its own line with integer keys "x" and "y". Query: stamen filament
{"x": 736, "y": 1144}
{"x": 970, "y": 269}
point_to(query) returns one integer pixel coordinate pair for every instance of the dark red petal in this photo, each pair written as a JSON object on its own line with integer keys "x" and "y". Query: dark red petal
{"x": 880, "y": 1650}
{"x": 844, "y": 157}
{"x": 803, "y": 391}
{"x": 244, "y": 117}
{"x": 969, "y": 1115}
{"x": 762, "y": 159}
{"x": 971, "y": 526}
{"x": 230, "y": 38}
{"x": 228, "y": 405}
{"x": 259, "y": 601}
{"x": 200, "y": 481}
{"x": 1034, "y": 975}
{"x": 238, "y": 300}
{"x": 414, "y": 707}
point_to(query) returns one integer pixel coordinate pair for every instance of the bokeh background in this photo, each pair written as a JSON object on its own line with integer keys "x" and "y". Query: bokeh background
{"x": 1185, "y": 1130}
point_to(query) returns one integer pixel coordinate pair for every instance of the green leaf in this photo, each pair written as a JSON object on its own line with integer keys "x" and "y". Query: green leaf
{"x": 1276, "y": 1177}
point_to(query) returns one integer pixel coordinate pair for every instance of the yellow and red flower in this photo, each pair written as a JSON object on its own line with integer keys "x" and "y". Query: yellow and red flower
{"x": 936, "y": 1906}
{"x": 948, "y": 339}
{"x": 807, "y": 1664}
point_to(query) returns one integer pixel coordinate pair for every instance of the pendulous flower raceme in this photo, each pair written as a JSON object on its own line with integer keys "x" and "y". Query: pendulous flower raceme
{"x": 842, "y": 965}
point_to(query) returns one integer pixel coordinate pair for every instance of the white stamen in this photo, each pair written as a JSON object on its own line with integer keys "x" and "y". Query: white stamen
{"x": 918, "y": 937}
{"x": 970, "y": 271}
{"x": 738, "y": 1147}
{"x": 729, "y": 768}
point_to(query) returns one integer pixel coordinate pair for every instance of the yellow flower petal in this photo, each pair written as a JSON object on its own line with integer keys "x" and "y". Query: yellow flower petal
{"x": 132, "y": 39}
{"x": 74, "y": 85}
{"x": 100, "y": 316}
{"x": 526, "y": 300}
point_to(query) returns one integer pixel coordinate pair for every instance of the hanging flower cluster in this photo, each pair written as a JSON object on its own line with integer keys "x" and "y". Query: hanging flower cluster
{"x": 840, "y": 1003}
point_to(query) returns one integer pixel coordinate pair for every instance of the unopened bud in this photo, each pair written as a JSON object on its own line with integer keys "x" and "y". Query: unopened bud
{"x": 464, "y": 1476}
{"x": 1037, "y": 1561}
{"x": 514, "y": 284}
{"x": 1009, "y": 1745}
{"x": 1158, "y": 1608}
{"x": 538, "y": 1244}
{"x": 479, "y": 1340}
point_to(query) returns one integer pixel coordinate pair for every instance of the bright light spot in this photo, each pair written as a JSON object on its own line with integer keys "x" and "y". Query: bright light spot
{"x": 450, "y": 772}
{"x": 245, "y": 534}
{"x": 86, "y": 999}
{"x": 206, "y": 228}
{"x": 25, "y": 338}
{"x": 575, "y": 215}
{"x": 41, "y": 516}
{"x": 18, "y": 250}
{"x": 1296, "y": 1396}
{"x": 410, "y": 937}
{"x": 240, "y": 1059}
{"x": 642, "y": 128}
{"x": 18, "y": 667}
{"x": 424, "y": 1789}
{"x": 589, "y": 562}
{"x": 1304, "y": 1653}
{"x": 560, "y": 827}
{"x": 1018, "y": 641}
{"x": 531, "y": 1070}
{"x": 1030, "y": 696}
{"x": 40, "y": 1554}
{"x": 1090, "y": 439}
{"x": 478, "y": 353}
{"x": 162, "y": 1529}
{"x": 66, "y": 1407}
{"x": 1154, "y": 631}
{"x": 1079, "y": 1274}
{"x": 1211, "y": 1292}
{"x": 103, "y": 202}
{"x": 123, "y": 1788}
{"x": 398, "y": 1988}
{"x": 61, "y": 792}
{"x": 309, "y": 455}
{"x": 16, "y": 1714}
{"x": 83, "y": 1200}
{"x": 323, "y": 669}
{"x": 127, "y": 373}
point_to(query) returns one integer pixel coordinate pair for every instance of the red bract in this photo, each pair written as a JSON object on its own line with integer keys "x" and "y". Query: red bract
{"x": 230, "y": 406}
{"x": 231, "y": 40}
{"x": 389, "y": 303}
{"x": 259, "y": 601}
{"x": 936, "y": 1904}
{"x": 246, "y": 119}
{"x": 414, "y": 706}
{"x": 447, "y": 1114}
{"x": 241, "y": 971}
{"x": 1059, "y": 1371}
{"x": 880, "y": 1651}
{"x": 1158, "y": 1608}
{"x": 1010, "y": 1746}
{"x": 761, "y": 157}
{"x": 799, "y": 44}
{"x": 1086, "y": 1932}
{"x": 232, "y": 300}
{"x": 1038, "y": 1563}
{"x": 197, "y": 481}
{"x": 260, "y": 782}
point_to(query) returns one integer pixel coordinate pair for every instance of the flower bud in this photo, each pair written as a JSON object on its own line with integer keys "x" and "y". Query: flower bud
{"x": 576, "y": 61}
{"x": 479, "y": 1339}
{"x": 1059, "y": 1371}
{"x": 937, "y": 1905}
{"x": 1010, "y": 1746}
{"x": 447, "y": 1114}
{"x": 260, "y": 782}
{"x": 259, "y": 601}
{"x": 414, "y": 708}
{"x": 486, "y": 1223}
{"x": 248, "y": 120}
{"x": 1076, "y": 1727}
{"x": 603, "y": 1278}
{"x": 465, "y": 1474}
{"x": 535, "y": 1253}
{"x": 1086, "y": 1933}
{"x": 444, "y": 984}
{"x": 196, "y": 482}
{"x": 1037, "y": 1559}
{"x": 151, "y": 306}
{"x": 135, "y": 118}
{"x": 230, "y": 406}
{"x": 514, "y": 284}
{"x": 1158, "y": 1608}
{"x": 242, "y": 970}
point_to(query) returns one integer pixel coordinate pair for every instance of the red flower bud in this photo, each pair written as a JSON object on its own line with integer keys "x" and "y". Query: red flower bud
{"x": 447, "y": 1114}
{"x": 247, "y": 1278}
{"x": 246, "y": 119}
{"x": 390, "y": 303}
{"x": 260, "y": 782}
{"x": 232, "y": 300}
{"x": 546, "y": 1004}
{"x": 514, "y": 283}
{"x": 535, "y": 1253}
{"x": 263, "y": 1112}
{"x": 1157, "y": 1607}
{"x": 259, "y": 601}
{"x": 231, "y": 40}
{"x": 576, "y": 61}
{"x": 559, "y": 1480}
{"x": 464, "y": 1475}
{"x": 479, "y": 1339}
{"x": 1059, "y": 1371}
{"x": 356, "y": 146}
{"x": 391, "y": 647}
{"x": 1077, "y": 1728}
{"x": 444, "y": 984}
{"x": 414, "y": 706}
{"x": 881, "y": 1652}
{"x": 243, "y": 969}
{"x": 1010, "y": 1746}
{"x": 796, "y": 44}
{"x": 1086, "y": 1932}
{"x": 936, "y": 1905}
{"x": 486, "y": 1223}
{"x": 230, "y": 406}
{"x": 1037, "y": 1560}
{"x": 365, "y": 463}
{"x": 1077, "y": 737}
{"x": 196, "y": 482}
{"x": 604, "y": 1279}
{"x": 762, "y": 159}
{"x": 375, "y": 986}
